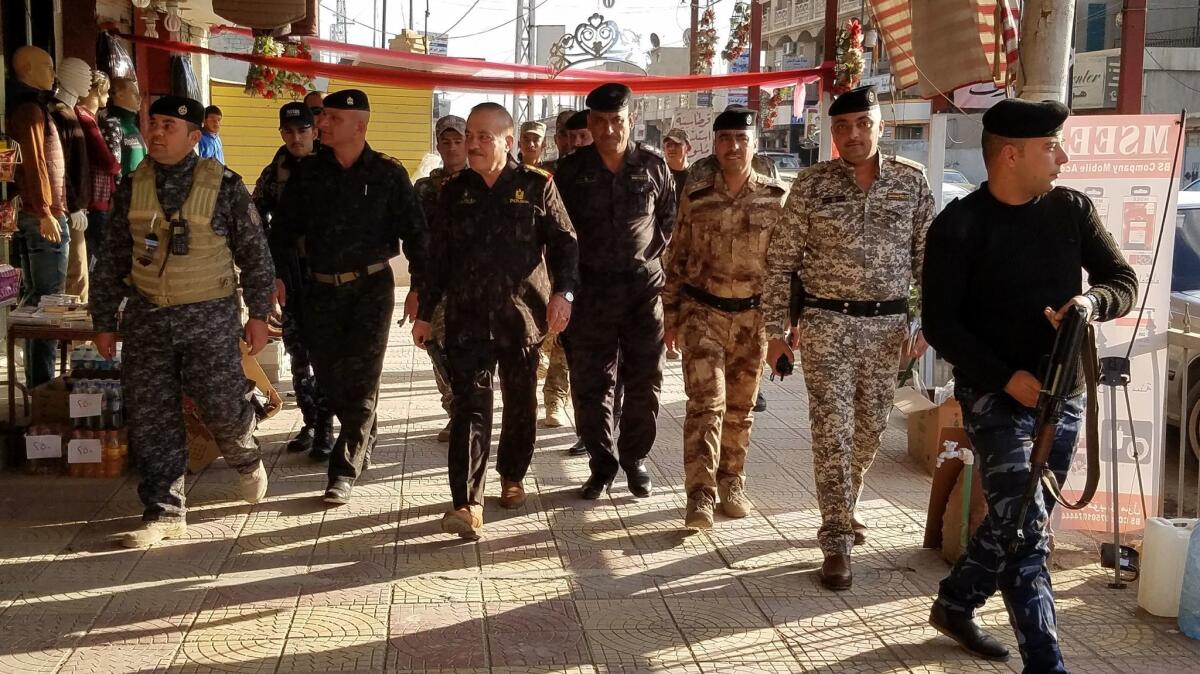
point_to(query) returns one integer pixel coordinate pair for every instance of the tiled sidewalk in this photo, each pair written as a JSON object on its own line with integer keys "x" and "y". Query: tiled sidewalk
{"x": 562, "y": 585}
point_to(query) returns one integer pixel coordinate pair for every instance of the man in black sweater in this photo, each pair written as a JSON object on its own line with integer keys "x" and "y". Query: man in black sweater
{"x": 1002, "y": 265}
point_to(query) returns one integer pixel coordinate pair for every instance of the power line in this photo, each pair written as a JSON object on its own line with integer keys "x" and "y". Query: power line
{"x": 460, "y": 19}
{"x": 496, "y": 27}
{"x": 1163, "y": 70}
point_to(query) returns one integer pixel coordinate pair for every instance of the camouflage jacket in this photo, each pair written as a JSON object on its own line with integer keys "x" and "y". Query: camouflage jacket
{"x": 720, "y": 242}
{"x": 623, "y": 221}
{"x": 350, "y": 218}
{"x": 267, "y": 193}
{"x": 489, "y": 252}
{"x": 429, "y": 189}
{"x": 847, "y": 244}
{"x": 703, "y": 170}
{"x": 235, "y": 218}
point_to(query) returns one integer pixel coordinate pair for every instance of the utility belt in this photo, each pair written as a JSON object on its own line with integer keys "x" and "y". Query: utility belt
{"x": 594, "y": 276}
{"x": 858, "y": 308}
{"x": 349, "y": 276}
{"x": 731, "y": 305}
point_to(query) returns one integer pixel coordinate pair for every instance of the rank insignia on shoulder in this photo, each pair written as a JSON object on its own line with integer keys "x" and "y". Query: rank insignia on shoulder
{"x": 898, "y": 196}
{"x": 651, "y": 149}
{"x": 537, "y": 171}
{"x": 518, "y": 197}
{"x": 825, "y": 201}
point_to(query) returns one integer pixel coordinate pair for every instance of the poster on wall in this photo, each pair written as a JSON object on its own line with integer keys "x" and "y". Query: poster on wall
{"x": 697, "y": 122}
{"x": 1124, "y": 163}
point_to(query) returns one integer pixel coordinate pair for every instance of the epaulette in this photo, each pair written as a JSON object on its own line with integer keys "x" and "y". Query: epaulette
{"x": 536, "y": 171}
{"x": 230, "y": 175}
{"x": 651, "y": 149}
{"x": 908, "y": 162}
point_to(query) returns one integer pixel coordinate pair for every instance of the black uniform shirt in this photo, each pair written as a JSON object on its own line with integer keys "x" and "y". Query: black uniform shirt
{"x": 623, "y": 221}
{"x": 991, "y": 268}
{"x": 489, "y": 252}
{"x": 351, "y": 218}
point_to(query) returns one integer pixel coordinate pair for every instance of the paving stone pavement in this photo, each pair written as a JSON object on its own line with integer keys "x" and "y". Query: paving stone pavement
{"x": 560, "y": 585}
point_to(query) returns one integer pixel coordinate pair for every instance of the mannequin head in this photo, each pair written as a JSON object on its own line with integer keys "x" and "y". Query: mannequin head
{"x": 97, "y": 96}
{"x": 125, "y": 94}
{"x": 74, "y": 80}
{"x": 34, "y": 68}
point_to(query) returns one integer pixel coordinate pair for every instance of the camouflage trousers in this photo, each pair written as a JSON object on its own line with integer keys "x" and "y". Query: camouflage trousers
{"x": 850, "y": 367}
{"x": 472, "y": 367}
{"x": 722, "y": 361}
{"x": 313, "y": 407}
{"x": 346, "y": 329}
{"x": 558, "y": 386}
{"x": 1000, "y": 430}
{"x": 439, "y": 336}
{"x": 170, "y": 351}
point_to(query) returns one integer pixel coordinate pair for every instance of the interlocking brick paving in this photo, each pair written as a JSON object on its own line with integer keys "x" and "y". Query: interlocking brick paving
{"x": 560, "y": 585}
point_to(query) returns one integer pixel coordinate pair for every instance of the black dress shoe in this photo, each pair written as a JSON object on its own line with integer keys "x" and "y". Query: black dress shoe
{"x": 339, "y": 491}
{"x": 578, "y": 449}
{"x": 835, "y": 572}
{"x": 962, "y": 628}
{"x": 303, "y": 441}
{"x": 760, "y": 403}
{"x": 639, "y": 481}
{"x": 594, "y": 487}
{"x": 322, "y": 444}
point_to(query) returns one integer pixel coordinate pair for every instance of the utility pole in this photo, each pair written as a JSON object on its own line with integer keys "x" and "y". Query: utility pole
{"x": 526, "y": 52}
{"x": 1133, "y": 49}
{"x": 692, "y": 37}
{"x": 1046, "y": 29}
{"x": 828, "y": 56}
{"x": 383, "y": 28}
{"x": 754, "y": 94}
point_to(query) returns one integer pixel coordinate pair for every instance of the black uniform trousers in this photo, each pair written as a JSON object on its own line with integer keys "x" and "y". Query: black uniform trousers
{"x": 472, "y": 367}
{"x": 616, "y": 326}
{"x": 346, "y": 330}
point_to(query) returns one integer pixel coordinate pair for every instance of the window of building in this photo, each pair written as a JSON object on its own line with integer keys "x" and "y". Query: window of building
{"x": 1097, "y": 17}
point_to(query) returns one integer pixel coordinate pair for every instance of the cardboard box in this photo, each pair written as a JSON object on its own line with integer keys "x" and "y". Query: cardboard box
{"x": 924, "y": 429}
{"x": 271, "y": 359}
{"x": 51, "y": 403}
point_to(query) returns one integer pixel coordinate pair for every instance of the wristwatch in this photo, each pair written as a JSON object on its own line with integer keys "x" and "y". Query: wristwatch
{"x": 569, "y": 297}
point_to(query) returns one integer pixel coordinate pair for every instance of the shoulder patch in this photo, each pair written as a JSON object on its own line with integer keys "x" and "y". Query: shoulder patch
{"x": 905, "y": 161}
{"x": 536, "y": 171}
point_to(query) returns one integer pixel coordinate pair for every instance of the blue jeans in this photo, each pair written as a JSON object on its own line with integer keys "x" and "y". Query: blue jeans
{"x": 1000, "y": 429}
{"x": 43, "y": 272}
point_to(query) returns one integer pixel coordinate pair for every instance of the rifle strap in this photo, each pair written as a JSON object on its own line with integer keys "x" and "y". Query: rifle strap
{"x": 1091, "y": 362}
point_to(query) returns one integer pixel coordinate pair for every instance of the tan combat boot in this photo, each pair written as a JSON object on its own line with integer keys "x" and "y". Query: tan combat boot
{"x": 154, "y": 532}
{"x": 699, "y": 511}
{"x": 554, "y": 415}
{"x": 467, "y": 522}
{"x": 254, "y": 485}
{"x": 444, "y": 434}
{"x": 512, "y": 494}
{"x": 734, "y": 502}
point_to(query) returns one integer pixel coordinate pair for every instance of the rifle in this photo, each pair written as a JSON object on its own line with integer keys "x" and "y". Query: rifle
{"x": 1074, "y": 345}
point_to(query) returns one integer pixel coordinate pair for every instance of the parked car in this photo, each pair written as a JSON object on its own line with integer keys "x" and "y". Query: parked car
{"x": 1185, "y": 309}
{"x": 788, "y": 165}
{"x": 1193, "y": 186}
{"x": 952, "y": 191}
{"x": 956, "y": 177}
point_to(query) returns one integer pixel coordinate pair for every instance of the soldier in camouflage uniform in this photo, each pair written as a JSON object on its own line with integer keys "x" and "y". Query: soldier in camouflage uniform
{"x": 855, "y": 230}
{"x": 621, "y": 200}
{"x": 297, "y": 129}
{"x": 351, "y": 206}
{"x": 715, "y": 269}
{"x": 501, "y": 244}
{"x": 179, "y": 226}
{"x": 450, "y": 134}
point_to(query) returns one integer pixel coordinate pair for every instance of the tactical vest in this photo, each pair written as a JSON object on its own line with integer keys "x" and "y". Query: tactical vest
{"x": 207, "y": 271}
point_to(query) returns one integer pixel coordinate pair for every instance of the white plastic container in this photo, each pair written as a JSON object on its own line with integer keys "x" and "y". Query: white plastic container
{"x": 1163, "y": 559}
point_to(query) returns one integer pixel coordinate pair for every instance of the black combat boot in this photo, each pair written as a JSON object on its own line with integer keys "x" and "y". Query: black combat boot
{"x": 303, "y": 441}
{"x": 962, "y": 628}
{"x": 322, "y": 445}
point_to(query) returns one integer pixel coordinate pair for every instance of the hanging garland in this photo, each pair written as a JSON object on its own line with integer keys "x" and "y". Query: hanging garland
{"x": 848, "y": 69}
{"x": 739, "y": 32}
{"x": 275, "y": 82}
{"x": 706, "y": 43}
{"x": 770, "y": 107}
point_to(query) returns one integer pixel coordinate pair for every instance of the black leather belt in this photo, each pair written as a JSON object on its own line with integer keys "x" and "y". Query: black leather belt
{"x": 350, "y": 276}
{"x": 729, "y": 304}
{"x": 857, "y": 307}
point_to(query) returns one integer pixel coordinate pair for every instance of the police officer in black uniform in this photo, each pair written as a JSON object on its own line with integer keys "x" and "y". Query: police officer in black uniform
{"x": 499, "y": 236}
{"x": 351, "y": 207}
{"x": 621, "y": 199}
{"x": 1002, "y": 266}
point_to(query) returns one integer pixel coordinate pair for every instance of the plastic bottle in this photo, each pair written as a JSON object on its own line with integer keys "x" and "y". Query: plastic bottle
{"x": 112, "y": 455}
{"x": 1189, "y": 597}
{"x": 1164, "y": 557}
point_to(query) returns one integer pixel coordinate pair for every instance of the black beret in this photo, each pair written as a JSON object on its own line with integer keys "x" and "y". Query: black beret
{"x": 1016, "y": 118}
{"x": 737, "y": 118}
{"x": 347, "y": 99}
{"x": 861, "y": 99}
{"x": 611, "y": 97}
{"x": 295, "y": 113}
{"x": 577, "y": 121}
{"x": 179, "y": 107}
